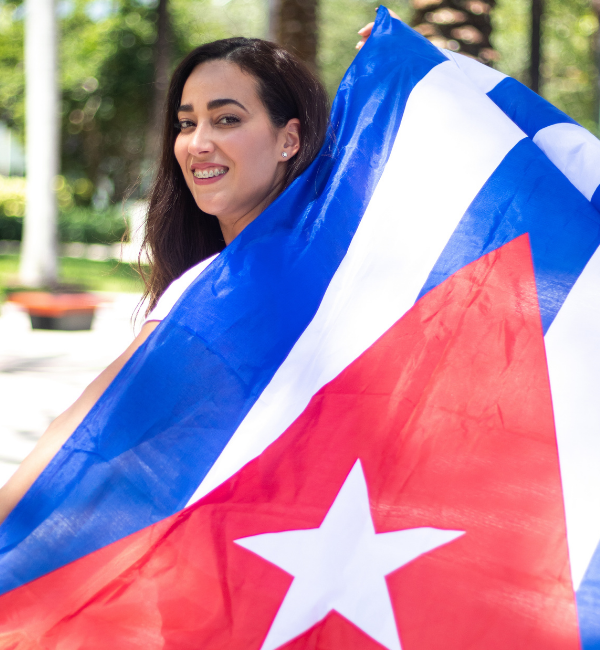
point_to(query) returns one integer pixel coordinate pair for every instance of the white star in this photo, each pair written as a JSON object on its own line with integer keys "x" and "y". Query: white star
{"x": 342, "y": 566}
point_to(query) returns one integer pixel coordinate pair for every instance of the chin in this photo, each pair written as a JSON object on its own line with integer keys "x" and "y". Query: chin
{"x": 210, "y": 207}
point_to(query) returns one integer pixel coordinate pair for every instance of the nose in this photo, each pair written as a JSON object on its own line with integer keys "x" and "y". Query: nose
{"x": 201, "y": 141}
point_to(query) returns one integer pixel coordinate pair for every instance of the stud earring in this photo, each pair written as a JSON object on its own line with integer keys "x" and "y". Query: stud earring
{"x": 284, "y": 154}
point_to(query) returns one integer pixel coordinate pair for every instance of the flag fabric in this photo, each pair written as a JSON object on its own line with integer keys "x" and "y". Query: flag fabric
{"x": 573, "y": 149}
{"x": 371, "y": 421}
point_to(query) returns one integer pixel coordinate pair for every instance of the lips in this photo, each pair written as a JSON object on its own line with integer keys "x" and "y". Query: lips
{"x": 207, "y": 173}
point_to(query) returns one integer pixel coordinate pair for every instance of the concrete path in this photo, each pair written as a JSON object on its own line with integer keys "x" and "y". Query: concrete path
{"x": 43, "y": 372}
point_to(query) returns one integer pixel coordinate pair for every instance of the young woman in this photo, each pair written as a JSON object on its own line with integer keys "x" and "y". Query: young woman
{"x": 244, "y": 118}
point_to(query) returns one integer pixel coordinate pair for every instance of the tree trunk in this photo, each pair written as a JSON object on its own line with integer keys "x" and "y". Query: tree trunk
{"x": 537, "y": 12}
{"x": 273, "y": 8}
{"x": 162, "y": 60}
{"x": 38, "y": 252}
{"x": 295, "y": 27}
{"x": 457, "y": 25}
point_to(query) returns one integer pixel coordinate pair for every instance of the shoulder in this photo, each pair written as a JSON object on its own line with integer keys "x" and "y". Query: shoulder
{"x": 175, "y": 290}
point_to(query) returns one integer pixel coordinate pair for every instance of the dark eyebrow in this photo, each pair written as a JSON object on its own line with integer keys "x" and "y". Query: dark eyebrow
{"x": 218, "y": 103}
{"x": 215, "y": 103}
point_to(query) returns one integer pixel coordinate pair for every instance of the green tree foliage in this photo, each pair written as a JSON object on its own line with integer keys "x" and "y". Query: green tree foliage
{"x": 12, "y": 82}
{"x": 202, "y": 21}
{"x": 107, "y": 76}
{"x": 568, "y": 66}
{"x": 568, "y": 70}
{"x": 339, "y": 22}
{"x": 510, "y": 22}
{"x": 107, "y": 69}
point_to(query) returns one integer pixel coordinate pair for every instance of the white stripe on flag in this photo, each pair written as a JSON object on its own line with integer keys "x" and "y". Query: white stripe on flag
{"x": 573, "y": 351}
{"x": 575, "y": 151}
{"x": 484, "y": 77}
{"x": 451, "y": 139}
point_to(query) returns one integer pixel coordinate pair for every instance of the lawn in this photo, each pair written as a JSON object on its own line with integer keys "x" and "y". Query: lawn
{"x": 91, "y": 275}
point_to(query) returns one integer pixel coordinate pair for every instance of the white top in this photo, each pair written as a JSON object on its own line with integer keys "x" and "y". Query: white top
{"x": 176, "y": 289}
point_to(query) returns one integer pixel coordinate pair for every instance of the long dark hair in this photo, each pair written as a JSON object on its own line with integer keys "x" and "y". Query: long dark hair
{"x": 178, "y": 234}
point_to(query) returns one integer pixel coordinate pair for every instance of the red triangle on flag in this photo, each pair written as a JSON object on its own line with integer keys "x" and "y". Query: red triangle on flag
{"x": 450, "y": 416}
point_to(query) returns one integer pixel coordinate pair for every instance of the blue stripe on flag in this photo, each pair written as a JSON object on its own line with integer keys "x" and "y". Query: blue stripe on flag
{"x": 525, "y": 108}
{"x": 527, "y": 194}
{"x": 149, "y": 441}
{"x": 588, "y": 605}
{"x": 595, "y": 200}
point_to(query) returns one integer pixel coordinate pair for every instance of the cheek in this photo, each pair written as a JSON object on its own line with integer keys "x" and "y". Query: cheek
{"x": 180, "y": 150}
{"x": 256, "y": 152}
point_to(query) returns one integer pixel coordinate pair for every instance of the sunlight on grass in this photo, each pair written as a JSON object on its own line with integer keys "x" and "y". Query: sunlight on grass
{"x": 93, "y": 276}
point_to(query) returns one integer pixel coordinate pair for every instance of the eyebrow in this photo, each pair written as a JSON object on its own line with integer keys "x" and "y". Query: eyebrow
{"x": 215, "y": 103}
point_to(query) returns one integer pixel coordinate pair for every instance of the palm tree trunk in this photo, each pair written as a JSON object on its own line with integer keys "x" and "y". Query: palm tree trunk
{"x": 457, "y": 25}
{"x": 39, "y": 249}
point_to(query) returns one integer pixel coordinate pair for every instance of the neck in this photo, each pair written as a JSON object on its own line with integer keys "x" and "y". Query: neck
{"x": 232, "y": 227}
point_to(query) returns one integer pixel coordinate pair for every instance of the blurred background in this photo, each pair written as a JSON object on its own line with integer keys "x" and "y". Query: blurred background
{"x": 105, "y": 65}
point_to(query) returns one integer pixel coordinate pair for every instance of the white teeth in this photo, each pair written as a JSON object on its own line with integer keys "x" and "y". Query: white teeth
{"x": 198, "y": 173}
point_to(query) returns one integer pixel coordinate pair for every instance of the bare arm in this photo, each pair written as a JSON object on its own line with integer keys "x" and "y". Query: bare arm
{"x": 65, "y": 424}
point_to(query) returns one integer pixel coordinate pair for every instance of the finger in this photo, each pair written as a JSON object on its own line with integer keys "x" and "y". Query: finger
{"x": 366, "y": 30}
{"x": 360, "y": 43}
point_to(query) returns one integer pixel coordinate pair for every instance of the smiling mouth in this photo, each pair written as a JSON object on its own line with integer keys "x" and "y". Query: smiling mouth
{"x": 208, "y": 173}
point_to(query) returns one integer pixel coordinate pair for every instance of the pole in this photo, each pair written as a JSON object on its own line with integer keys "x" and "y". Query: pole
{"x": 537, "y": 11}
{"x": 38, "y": 251}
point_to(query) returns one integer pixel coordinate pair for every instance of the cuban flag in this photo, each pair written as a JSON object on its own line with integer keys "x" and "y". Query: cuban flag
{"x": 372, "y": 421}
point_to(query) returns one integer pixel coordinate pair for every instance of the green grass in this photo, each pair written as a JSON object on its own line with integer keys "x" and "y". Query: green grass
{"x": 93, "y": 276}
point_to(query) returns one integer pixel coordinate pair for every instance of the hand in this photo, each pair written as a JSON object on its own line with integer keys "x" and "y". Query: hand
{"x": 365, "y": 32}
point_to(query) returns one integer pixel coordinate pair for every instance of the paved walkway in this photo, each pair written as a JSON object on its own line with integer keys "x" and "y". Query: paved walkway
{"x": 43, "y": 372}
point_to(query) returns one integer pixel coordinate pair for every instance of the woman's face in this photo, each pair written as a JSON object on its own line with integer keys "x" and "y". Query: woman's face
{"x": 228, "y": 149}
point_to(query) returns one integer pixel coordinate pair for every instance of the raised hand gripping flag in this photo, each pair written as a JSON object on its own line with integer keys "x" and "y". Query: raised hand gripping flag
{"x": 371, "y": 422}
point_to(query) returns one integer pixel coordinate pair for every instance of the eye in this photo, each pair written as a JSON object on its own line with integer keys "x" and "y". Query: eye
{"x": 184, "y": 125}
{"x": 228, "y": 120}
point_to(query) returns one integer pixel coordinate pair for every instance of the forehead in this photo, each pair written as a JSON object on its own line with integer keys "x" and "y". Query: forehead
{"x": 218, "y": 80}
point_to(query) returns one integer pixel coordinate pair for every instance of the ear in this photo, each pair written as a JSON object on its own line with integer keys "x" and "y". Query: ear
{"x": 291, "y": 137}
